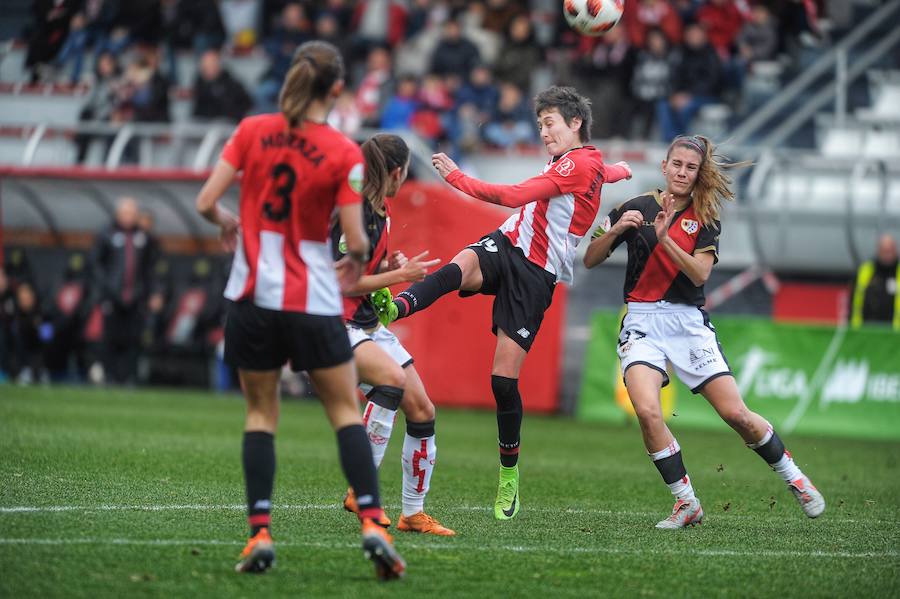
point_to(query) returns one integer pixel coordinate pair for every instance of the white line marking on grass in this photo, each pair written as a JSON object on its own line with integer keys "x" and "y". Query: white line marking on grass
{"x": 451, "y": 546}
{"x": 37, "y": 509}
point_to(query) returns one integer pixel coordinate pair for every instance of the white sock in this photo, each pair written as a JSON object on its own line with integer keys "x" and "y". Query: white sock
{"x": 786, "y": 468}
{"x": 682, "y": 489}
{"x": 379, "y": 423}
{"x": 418, "y": 463}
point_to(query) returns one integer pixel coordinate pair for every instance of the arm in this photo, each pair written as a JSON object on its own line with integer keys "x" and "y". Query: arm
{"x": 208, "y": 203}
{"x": 698, "y": 266}
{"x": 601, "y": 247}
{"x": 411, "y": 271}
{"x": 511, "y": 196}
{"x": 616, "y": 172}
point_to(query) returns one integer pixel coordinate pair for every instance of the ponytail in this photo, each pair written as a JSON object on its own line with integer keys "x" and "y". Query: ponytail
{"x": 315, "y": 68}
{"x": 713, "y": 186}
{"x": 383, "y": 153}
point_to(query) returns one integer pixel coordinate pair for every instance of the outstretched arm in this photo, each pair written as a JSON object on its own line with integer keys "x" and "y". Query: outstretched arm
{"x": 512, "y": 196}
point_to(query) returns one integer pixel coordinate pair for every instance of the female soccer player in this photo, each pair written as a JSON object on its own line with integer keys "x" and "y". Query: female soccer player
{"x": 673, "y": 242}
{"x": 385, "y": 365}
{"x": 287, "y": 303}
{"x": 521, "y": 262}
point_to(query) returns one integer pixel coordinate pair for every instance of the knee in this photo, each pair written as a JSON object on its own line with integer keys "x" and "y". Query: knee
{"x": 418, "y": 408}
{"x": 737, "y": 418}
{"x": 393, "y": 377}
{"x": 648, "y": 414}
{"x": 506, "y": 392}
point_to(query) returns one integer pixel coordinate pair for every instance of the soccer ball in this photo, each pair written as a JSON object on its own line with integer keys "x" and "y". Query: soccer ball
{"x": 593, "y": 17}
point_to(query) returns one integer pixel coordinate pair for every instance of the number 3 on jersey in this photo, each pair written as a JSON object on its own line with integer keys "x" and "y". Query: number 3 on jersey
{"x": 285, "y": 179}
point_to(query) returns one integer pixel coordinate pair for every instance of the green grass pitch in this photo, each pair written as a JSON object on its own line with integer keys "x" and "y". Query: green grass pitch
{"x": 120, "y": 493}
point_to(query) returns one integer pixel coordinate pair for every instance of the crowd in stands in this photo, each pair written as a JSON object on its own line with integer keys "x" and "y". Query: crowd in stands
{"x": 459, "y": 73}
{"x": 117, "y": 313}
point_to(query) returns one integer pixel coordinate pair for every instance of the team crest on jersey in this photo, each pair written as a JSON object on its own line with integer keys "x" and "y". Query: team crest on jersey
{"x": 690, "y": 226}
{"x": 565, "y": 167}
{"x": 355, "y": 177}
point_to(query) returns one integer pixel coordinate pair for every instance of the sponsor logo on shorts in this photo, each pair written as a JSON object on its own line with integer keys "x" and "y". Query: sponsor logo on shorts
{"x": 488, "y": 244}
{"x": 524, "y": 333}
{"x": 703, "y": 357}
{"x": 690, "y": 226}
{"x": 565, "y": 167}
{"x": 627, "y": 339}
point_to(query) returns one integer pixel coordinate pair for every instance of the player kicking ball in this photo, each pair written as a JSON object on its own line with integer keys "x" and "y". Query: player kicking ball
{"x": 521, "y": 262}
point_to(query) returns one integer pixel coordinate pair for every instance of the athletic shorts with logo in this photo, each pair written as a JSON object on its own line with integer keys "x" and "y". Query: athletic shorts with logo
{"x": 384, "y": 339}
{"x": 653, "y": 333}
{"x": 523, "y": 290}
{"x": 262, "y": 339}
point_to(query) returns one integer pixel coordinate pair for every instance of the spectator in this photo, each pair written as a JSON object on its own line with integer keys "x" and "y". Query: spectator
{"x": 454, "y": 53}
{"x": 642, "y": 15}
{"x": 293, "y": 30}
{"x": 696, "y": 82}
{"x": 520, "y": 56}
{"x": 122, "y": 263}
{"x": 144, "y": 95}
{"x": 345, "y": 116}
{"x": 374, "y": 88}
{"x": 100, "y": 104}
{"x": 513, "y": 121}
{"x": 650, "y": 82}
{"x": 218, "y": 95}
{"x": 190, "y": 25}
{"x": 378, "y": 23}
{"x": 499, "y": 15}
{"x": 758, "y": 39}
{"x": 90, "y": 27}
{"x": 435, "y": 104}
{"x": 68, "y": 315}
{"x": 28, "y": 334}
{"x": 605, "y": 69}
{"x": 328, "y": 29}
{"x": 875, "y": 297}
{"x": 7, "y": 309}
{"x": 402, "y": 106}
{"x": 143, "y": 21}
{"x": 722, "y": 21}
{"x": 47, "y": 34}
{"x": 479, "y": 92}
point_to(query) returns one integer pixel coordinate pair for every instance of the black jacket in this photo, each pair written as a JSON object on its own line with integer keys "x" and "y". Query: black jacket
{"x": 119, "y": 278}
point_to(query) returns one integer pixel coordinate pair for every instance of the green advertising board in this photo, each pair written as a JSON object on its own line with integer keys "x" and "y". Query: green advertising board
{"x": 802, "y": 378}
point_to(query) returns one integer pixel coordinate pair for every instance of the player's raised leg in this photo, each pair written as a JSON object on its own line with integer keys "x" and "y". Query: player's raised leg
{"x": 722, "y": 393}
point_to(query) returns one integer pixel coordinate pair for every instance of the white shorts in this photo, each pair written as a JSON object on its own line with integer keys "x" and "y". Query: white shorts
{"x": 384, "y": 339}
{"x": 682, "y": 334}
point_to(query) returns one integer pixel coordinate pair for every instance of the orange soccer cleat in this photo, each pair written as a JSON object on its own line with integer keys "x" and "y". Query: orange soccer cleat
{"x": 259, "y": 554}
{"x": 422, "y": 522}
{"x": 378, "y": 546}
{"x": 351, "y": 506}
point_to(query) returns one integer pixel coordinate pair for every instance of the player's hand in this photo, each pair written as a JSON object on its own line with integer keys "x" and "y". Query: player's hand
{"x": 443, "y": 164}
{"x": 632, "y": 219}
{"x": 348, "y": 272}
{"x": 397, "y": 260}
{"x": 627, "y": 167}
{"x": 416, "y": 268}
{"x": 229, "y": 225}
{"x": 664, "y": 217}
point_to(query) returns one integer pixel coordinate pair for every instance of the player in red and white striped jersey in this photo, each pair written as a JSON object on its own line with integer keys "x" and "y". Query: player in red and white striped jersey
{"x": 297, "y": 171}
{"x": 521, "y": 262}
{"x": 673, "y": 242}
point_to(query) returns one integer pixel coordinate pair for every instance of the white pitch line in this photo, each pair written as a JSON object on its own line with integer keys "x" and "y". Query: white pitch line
{"x": 452, "y": 546}
{"x": 38, "y": 509}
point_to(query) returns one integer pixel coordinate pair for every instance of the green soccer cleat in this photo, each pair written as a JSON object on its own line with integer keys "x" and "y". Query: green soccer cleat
{"x": 384, "y": 305}
{"x": 507, "y": 504}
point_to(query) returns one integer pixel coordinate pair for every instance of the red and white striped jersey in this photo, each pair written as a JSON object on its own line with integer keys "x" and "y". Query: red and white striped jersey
{"x": 558, "y": 206}
{"x": 293, "y": 179}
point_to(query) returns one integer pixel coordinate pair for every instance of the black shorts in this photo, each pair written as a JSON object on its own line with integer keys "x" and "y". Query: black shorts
{"x": 261, "y": 339}
{"x": 523, "y": 289}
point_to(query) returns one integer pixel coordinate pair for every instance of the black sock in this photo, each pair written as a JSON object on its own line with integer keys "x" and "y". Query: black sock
{"x": 509, "y": 418}
{"x": 420, "y": 430}
{"x": 359, "y": 468}
{"x": 671, "y": 468}
{"x": 386, "y": 396}
{"x": 419, "y": 296}
{"x": 259, "y": 476}
{"x": 772, "y": 450}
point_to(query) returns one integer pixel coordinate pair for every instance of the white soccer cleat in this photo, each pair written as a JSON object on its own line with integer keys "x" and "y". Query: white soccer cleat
{"x": 808, "y": 496}
{"x": 684, "y": 514}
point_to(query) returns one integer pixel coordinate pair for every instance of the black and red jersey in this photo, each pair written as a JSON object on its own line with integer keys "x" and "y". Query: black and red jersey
{"x": 358, "y": 311}
{"x": 651, "y": 274}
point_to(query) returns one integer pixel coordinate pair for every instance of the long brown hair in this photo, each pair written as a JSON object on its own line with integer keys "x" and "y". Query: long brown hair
{"x": 316, "y": 66}
{"x": 712, "y": 186}
{"x": 383, "y": 153}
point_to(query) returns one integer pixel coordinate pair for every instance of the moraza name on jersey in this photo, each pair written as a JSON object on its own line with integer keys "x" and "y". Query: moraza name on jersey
{"x": 289, "y": 140}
